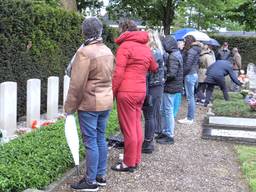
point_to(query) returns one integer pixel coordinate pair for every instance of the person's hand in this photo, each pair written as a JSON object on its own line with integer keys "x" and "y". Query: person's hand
{"x": 67, "y": 113}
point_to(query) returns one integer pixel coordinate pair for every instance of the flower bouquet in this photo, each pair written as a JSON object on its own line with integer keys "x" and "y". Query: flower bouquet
{"x": 250, "y": 99}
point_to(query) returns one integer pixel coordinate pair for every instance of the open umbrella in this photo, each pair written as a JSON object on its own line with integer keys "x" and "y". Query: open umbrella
{"x": 72, "y": 138}
{"x": 198, "y": 35}
{"x": 182, "y": 32}
{"x": 212, "y": 42}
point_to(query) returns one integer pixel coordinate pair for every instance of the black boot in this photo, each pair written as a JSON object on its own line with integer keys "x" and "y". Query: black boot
{"x": 148, "y": 146}
{"x": 165, "y": 140}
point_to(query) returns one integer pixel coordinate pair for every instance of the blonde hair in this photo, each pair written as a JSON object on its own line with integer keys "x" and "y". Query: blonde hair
{"x": 154, "y": 40}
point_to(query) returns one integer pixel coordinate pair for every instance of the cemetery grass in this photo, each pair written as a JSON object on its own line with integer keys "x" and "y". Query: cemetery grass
{"x": 37, "y": 159}
{"x": 235, "y": 107}
{"x": 247, "y": 157}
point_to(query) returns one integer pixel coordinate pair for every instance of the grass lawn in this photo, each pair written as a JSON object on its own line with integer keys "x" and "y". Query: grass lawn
{"x": 235, "y": 107}
{"x": 247, "y": 157}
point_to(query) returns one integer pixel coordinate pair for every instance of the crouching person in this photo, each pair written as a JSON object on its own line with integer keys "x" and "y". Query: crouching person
{"x": 215, "y": 75}
{"x": 90, "y": 93}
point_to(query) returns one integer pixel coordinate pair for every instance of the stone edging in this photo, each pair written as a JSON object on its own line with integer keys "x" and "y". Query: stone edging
{"x": 221, "y": 128}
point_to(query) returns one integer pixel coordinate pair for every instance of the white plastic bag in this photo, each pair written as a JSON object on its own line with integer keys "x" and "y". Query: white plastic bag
{"x": 72, "y": 137}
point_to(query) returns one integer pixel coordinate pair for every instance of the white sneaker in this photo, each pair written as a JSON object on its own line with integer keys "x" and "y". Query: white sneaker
{"x": 186, "y": 121}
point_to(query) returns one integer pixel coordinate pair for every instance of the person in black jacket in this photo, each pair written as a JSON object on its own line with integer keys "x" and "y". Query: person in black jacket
{"x": 191, "y": 56}
{"x": 173, "y": 85}
{"x": 215, "y": 75}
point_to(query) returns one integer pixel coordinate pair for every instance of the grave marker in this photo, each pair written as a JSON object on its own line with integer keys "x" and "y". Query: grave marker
{"x": 52, "y": 97}
{"x": 33, "y": 101}
{"x": 251, "y": 73}
{"x": 8, "y": 107}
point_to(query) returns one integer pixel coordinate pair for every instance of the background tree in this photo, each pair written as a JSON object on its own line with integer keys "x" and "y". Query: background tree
{"x": 69, "y": 5}
{"x": 151, "y": 12}
{"x": 245, "y": 14}
{"x": 202, "y": 15}
{"x": 92, "y": 6}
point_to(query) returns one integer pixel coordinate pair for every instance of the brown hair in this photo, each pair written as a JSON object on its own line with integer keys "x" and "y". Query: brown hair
{"x": 188, "y": 42}
{"x": 128, "y": 25}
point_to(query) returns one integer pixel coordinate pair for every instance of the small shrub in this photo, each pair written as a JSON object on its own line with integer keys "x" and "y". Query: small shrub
{"x": 39, "y": 158}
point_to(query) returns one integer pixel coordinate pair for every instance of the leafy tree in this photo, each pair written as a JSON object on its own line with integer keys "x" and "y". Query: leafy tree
{"x": 203, "y": 15}
{"x": 93, "y": 5}
{"x": 151, "y": 12}
{"x": 245, "y": 14}
{"x": 53, "y": 3}
{"x": 69, "y": 5}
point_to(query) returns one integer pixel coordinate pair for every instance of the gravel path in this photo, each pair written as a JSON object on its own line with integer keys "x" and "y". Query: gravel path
{"x": 190, "y": 165}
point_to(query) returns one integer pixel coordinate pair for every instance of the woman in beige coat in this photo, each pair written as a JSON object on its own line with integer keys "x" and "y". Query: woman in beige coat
{"x": 90, "y": 94}
{"x": 207, "y": 58}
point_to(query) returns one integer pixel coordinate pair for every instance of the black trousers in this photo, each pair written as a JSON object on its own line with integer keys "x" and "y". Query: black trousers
{"x": 210, "y": 87}
{"x": 152, "y": 114}
{"x": 201, "y": 91}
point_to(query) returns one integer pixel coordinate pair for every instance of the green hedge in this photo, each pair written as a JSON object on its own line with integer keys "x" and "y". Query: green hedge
{"x": 37, "y": 41}
{"x": 246, "y": 46}
{"x": 39, "y": 158}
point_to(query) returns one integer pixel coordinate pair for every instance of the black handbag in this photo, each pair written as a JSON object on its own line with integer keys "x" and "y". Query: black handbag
{"x": 148, "y": 102}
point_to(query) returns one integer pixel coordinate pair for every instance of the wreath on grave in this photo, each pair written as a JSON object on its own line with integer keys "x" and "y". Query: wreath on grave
{"x": 250, "y": 99}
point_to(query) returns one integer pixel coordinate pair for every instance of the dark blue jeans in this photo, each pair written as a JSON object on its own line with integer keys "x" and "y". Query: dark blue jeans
{"x": 93, "y": 126}
{"x": 152, "y": 114}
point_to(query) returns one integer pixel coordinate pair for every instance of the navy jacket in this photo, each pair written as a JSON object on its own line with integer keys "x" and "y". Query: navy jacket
{"x": 191, "y": 59}
{"x": 219, "y": 70}
{"x": 174, "y": 66}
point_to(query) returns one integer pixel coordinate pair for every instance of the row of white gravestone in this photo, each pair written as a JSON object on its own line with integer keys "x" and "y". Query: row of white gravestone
{"x": 251, "y": 73}
{"x": 8, "y": 102}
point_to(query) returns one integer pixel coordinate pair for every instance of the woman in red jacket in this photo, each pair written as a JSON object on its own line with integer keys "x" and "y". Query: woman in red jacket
{"x": 133, "y": 60}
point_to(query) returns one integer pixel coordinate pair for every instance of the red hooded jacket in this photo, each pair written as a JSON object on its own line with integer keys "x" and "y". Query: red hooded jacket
{"x": 133, "y": 60}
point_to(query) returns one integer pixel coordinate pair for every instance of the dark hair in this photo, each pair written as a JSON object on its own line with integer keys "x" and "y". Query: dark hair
{"x": 92, "y": 28}
{"x": 128, "y": 25}
{"x": 188, "y": 42}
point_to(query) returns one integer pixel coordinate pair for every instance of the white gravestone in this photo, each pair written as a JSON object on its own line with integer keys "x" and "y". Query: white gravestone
{"x": 33, "y": 101}
{"x": 251, "y": 73}
{"x": 8, "y": 107}
{"x": 65, "y": 88}
{"x": 52, "y": 97}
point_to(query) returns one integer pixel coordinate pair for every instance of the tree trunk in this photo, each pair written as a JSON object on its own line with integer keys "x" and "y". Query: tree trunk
{"x": 69, "y": 5}
{"x": 168, "y": 16}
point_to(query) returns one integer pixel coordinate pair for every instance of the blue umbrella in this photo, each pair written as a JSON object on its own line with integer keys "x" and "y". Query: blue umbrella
{"x": 182, "y": 32}
{"x": 212, "y": 42}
